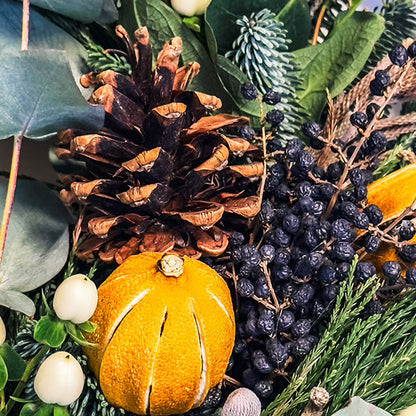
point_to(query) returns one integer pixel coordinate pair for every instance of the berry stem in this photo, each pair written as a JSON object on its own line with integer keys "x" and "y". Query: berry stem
{"x": 31, "y": 365}
{"x": 25, "y": 25}
{"x": 11, "y": 188}
{"x": 318, "y": 24}
{"x": 10, "y": 193}
{"x": 364, "y": 136}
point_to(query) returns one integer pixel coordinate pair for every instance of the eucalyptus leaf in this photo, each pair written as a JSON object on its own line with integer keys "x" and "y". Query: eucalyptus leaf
{"x": 297, "y": 21}
{"x": 3, "y": 373}
{"x": 43, "y": 35}
{"x": 37, "y": 243}
{"x": 335, "y": 63}
{"x": 50, "y": 331}
{"x": 89, "y": 11}
{"x": 14, "y": 362}
{"x": 359, "y": 407}
{"x": 222, "y": 15}
{"x": 39, "y": 101}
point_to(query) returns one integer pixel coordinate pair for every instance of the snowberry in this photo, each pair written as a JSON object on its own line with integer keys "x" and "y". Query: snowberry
{"x": 60, "y": 379}
{"x": 190, "y": 7}
{"x": 75, "y": 299}
{"x": 2, "y": 331}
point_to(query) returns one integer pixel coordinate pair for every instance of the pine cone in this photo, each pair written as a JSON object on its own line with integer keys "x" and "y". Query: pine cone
{"x": 158, "y": 176}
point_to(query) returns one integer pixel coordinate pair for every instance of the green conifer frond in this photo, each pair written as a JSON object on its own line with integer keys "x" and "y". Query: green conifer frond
{"x": 261, "y": 52}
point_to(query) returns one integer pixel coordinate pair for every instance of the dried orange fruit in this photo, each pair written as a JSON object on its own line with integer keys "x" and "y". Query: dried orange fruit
{"x": 165, "y": 332}
{"x": 392, "y": 194}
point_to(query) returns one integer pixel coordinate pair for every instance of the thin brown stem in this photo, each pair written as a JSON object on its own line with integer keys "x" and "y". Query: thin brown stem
{"x": 365, "y": 135}
{"x": 10, "y": 193}
{"x": 269, "y": 283}
{"x": 318, "y": 24}
{"x": 25, "y": 25}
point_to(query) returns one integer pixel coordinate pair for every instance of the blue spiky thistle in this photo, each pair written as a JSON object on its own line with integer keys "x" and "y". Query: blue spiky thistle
{"x": 261, "y": 52}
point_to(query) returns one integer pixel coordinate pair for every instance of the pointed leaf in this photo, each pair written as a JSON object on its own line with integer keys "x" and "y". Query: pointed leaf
{"x": 14, "y": 362}
{"x": 297, "y": 21}
{"x": 50, "y": 331}
{"x": 87, "y": 326}
{"x": 37, "y": 243}
{"x": 89, "y": 11}
{"x": 358, "y": 407}
{"x": 60, "y": 411}
{"x": 29, "y": 409}
{"x": 38, "y": 100}
{"x": 3, "y": 373}
{"x": 335, "y": 63}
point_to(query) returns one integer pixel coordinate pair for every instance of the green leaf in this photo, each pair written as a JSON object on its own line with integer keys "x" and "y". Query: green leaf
{"x": 297, "y": 21}
{"x": 359, "y": 407}
{"x": 76, "y": 334}
{"x": 43, "y": 34}
{"x": 50, "y": 331}
{"x": 232, "y": 78}
{"x": 89, "y": 11}
{"x": 210, "y": 40}
{"x": 335, "y": 63}
{"x": 222, "y": 14}
{"x": 45, "y": 410}
{"x": 37, "y": 243}
{"x": 3, "y": 374}
{"x": 194, "y": 23}
{"x": 29, "y": 409}
{"x": 60, "y": 411}
{"x": 15, "y": 363}
{"x": 87, "y": 326}
{"x": 39, "y": 100}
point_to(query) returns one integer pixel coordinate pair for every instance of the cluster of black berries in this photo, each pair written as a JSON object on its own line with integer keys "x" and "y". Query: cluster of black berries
{"x": 313, "y": 220}
{"x": 271, "y": 97}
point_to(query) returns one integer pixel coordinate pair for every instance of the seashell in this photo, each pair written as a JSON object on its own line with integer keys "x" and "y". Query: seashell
{"x": 242, "y": 402}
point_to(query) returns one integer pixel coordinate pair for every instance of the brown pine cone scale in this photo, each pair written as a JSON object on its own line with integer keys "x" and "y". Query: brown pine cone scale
{"x": 164, "y": 173}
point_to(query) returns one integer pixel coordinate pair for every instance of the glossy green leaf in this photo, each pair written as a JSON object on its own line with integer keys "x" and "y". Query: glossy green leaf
{"x": 3, "y": 373}
{"x": 232, "y": 78}
{"x": 37, "y": 243}
{"x": 358, "y": 407}
{"x": 75, "y": 333}
{"x": 29, "y": 409}
{"x": 210, "y": 40}
{"x": 45, "y": 410}
{"x": 14, "y": 362}
{"x": 50, "y": 331}
{"x": 297, "y": 21}
{"x": 43, "y": 35}
{"x": 103, "y": 11}
{"x": 87, "y": 326}
{"x": 60, "y": 411}
{"x": 40, "y": 101}
{"x": 335, "y": 63}
{"x": 222, "y": 14}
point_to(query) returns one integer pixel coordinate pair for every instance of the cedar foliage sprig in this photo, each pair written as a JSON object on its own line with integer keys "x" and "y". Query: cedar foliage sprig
{"x": 348, "y": 306}
{"x": 394, "y": 158}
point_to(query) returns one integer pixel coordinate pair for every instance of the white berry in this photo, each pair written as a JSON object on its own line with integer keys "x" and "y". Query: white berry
{"x": 75, "y": 299}
{"x": 60, "y": 379}
{"x": 190, "y": 7}
{"x": 410, "y": 411}
{"x": 2, "y": 331}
